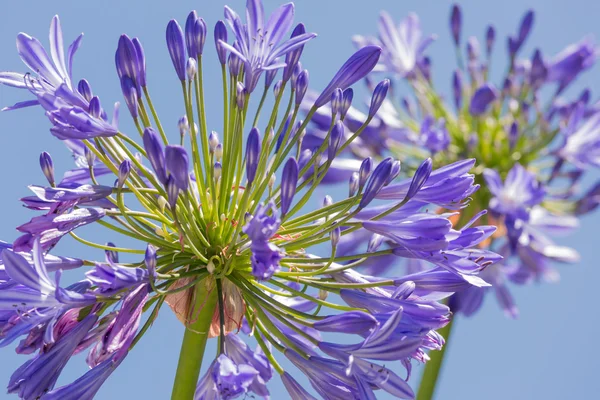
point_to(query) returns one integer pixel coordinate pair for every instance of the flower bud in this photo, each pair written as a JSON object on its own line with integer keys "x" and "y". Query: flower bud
{"x": 353, "y": 184}
{"x": 472, "y": 48}
{"x": 376, "y": 182}
{"x": 124, "y": 170}
{"x": 277, "y": 88}
{"x": 335, "y": 236}
{"x": 219, "y": 152}
{"x": 195, "y": 34}
{"x": 282, "y": 135}
{"x": 112, "y": 256}
{"x": 235, "y": 64}
{"x": 289, "y": 180}
{"x": 210, "y": 267}
{"x": 346, "y": 102}
{"x": 337, "y": 99}
{"x": 177, "y": 164}
{"x": 85, "y": 90}
{"x": 90, "y": 157}
{"x": 176, "y": 46}
{"x": 420, "y": 177}
{"x": 396, "y": 166}
{"x": 482, "y": 98}
{"x": 335, "y": 138}
{"x": 513, "y": 134}
{"x": 150, "y": 260}
{"x": 221, "y": 35}
{"x": 374, "y": 243}
{"x": 47, "y": 167}
{"x": 183, "y": 125}
{"x": 323, "y": 293}
{"x": 292, "y": 57}
{"x": 353, "y": 70}
{"x": 327, "y": 201}
{"x": 191, "y": 68}
{"x": 141, "y": 78}
{"x": 538, "y": 71}
{"x": 295, "y": 73}
{"x": 200, "y": 31}
{"x": 213, "y": 141}
{"x": 126, "y": 60}
{"x": 304, "y": 158}
{"x": 190, "y": 34}
{"x": 455, "y": 23}
{"x": 252, "y": 154}
{"x": 378, "y": 97}
{"x": 365, "y": 170}
{"x": 301, "y": 86}
{"x": 155, "y": 153}
{"x": 271, "y": 182}
{"x": 457, "y": 89}
{"x": 172, "y": 192}
{"x": 490, "y": 37}
{"x": 240, "y": 97}
{"x": 162, "y": 203}
{"x": 95, "y": 108}
{"x": 217, "y": 170}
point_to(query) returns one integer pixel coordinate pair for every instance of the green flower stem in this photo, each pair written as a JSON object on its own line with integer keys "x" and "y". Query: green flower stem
{"x": 433, "y": 366}
{"x": 194, "y": 341}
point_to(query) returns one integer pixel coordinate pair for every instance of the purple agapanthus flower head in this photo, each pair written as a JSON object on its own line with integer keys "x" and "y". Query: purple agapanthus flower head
{"x": 233, "y": 256}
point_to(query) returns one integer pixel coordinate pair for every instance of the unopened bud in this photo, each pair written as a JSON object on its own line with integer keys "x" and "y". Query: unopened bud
{"x": 335, "y": 236}
{"x": 111, "y": 255}
{"x": 183, "y": 125}
{"x": 271, "y": 182}
{"x": 217, "y": 170}
{"x": 47, "y": 167}
{"x": 150, "y": 260}
{"x": 191, "y": 67}
{"x": 124, "y": 170}
{"x": 353, "y": 184}
{"x": 213, "y": 141}
{"x": 323, "y": 294}
{"x": 90, "y": 157}
{"x": 210, "y": 267}
{"x": 277, "y": 88}
{"x": 240, "y": 97}
{"x": 337, "y": 100}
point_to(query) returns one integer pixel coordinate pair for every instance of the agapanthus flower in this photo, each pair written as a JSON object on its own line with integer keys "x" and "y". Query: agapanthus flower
{"x": 513, "y": 137}
{"x": 221, "y": 226}
{"x": 531, "y": 146}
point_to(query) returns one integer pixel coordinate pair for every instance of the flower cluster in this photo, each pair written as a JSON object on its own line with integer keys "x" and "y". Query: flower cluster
{"x": 233, "y": 254}
{"x": 532, "y": 145}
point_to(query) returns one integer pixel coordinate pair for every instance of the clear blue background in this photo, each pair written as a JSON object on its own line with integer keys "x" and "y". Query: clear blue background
{"x": 550, "y": 352}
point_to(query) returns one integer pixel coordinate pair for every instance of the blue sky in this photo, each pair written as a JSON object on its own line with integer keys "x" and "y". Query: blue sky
{"x": 549, "y": 352}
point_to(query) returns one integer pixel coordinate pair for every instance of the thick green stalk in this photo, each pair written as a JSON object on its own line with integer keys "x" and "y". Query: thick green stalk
{"x": 434, "y": 366}
{"x": 194, "y": 341}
